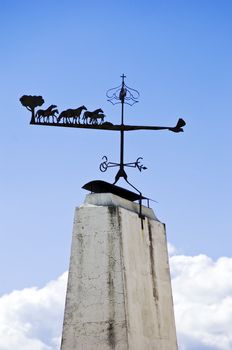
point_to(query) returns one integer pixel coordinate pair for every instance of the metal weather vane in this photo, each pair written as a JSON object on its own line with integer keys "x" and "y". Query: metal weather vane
{"x": 76, "y": 118}
{"x": 122, "y": 94}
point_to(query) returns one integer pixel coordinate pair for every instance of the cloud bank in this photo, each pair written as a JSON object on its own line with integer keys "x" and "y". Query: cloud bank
{"x": 202, "y": 291}
{"x": 31, "y": 319}
{"x": 202, "y": 288}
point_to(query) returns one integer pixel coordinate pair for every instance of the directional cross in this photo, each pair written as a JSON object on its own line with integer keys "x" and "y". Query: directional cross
{"x": 71, "y": 118}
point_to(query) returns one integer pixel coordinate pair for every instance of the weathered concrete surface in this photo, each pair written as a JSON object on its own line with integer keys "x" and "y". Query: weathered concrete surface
{"x": 119, "y": 291}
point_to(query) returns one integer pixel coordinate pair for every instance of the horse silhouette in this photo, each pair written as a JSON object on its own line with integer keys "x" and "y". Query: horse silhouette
{"x": 71, "y": 113}
{"x": 93, "y": 116}
{"x": 94, "y": 119}
{"x": 47, "y": 113}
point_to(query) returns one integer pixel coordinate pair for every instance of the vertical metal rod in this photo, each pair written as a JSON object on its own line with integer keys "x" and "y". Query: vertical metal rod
{"x": 122, "y": 139}
{"x": 121, "y": 172}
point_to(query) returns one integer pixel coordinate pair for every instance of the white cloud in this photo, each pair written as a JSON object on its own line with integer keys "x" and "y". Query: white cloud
{"x": 31, "y": 319}
{"x": 202, "y": 290}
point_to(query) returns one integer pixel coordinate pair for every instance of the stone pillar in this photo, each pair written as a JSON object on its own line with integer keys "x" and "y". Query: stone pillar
{"x": 119, "y": 290}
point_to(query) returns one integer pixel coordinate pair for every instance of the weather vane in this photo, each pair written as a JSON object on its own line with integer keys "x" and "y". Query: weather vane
{"x": 76, "y": 118}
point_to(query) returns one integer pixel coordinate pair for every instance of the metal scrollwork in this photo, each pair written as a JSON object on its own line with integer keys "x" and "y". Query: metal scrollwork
{"x": 123, "y": 93}
{"x": 137, "y": 164}
{"x": 105, "y": 164}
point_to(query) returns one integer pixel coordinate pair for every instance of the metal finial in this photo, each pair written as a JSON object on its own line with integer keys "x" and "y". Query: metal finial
{"x": 123, "y": 93}
{"x": 123, "y": 76}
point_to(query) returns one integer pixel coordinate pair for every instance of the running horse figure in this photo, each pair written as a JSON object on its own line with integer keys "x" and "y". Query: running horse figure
{"x": 93, "y": 116}
{"x": 71, "y": 113}
{"x": 47, "y": 113}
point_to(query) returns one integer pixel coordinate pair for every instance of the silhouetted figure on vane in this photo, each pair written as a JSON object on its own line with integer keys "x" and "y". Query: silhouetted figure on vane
{"x": 71, "y": 113}
{"x": 31, "y": 102}
{"x": 92, "y": 117}
{"x": 47, "y": 113}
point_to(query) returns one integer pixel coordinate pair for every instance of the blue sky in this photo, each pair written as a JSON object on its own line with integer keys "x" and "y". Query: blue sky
{"x": 178, "y": 54}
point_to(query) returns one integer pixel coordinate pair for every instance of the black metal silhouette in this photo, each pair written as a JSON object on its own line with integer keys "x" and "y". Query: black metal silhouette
{"x": 31, "y": 102}
{"x": 75, "y": 114}
{"x": 99, "y": 186}
{"x": 122, "y": 94}
{"x": 105, "y": 164}
{"x": 125, "y": 95}
{"x": 92, "y": 117}
{"x": 45, "y": 114}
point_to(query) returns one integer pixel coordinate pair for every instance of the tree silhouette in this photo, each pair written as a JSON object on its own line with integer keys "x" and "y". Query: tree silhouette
{"x": 31, "y": 102}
